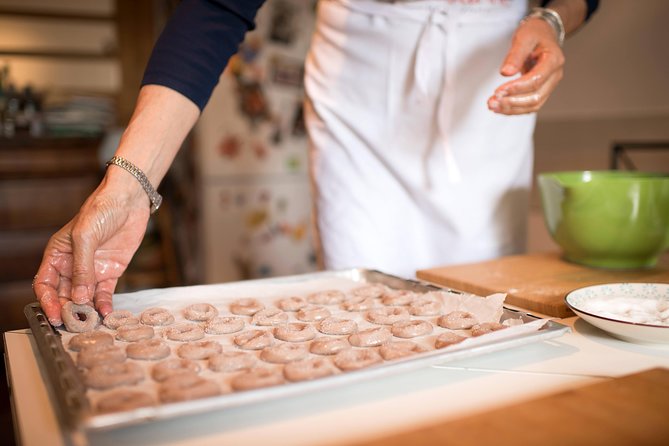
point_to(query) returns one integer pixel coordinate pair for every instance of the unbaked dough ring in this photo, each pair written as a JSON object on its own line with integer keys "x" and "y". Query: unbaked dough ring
{"x": 124, "y": 400}
{"x": 134, "y": 332}
{"x": 359, "y": 303}
{"x": 387, "y": 315}
{"x": 295, "y": 332}
{"x": 184, "y": 332}
{"x": 399, "y": 349}
{"x": 307, "y": 369}
{"x": 232, "y": 361}
{"x": 118, "y": 318}
{"x": 372, "y": 291}
{"x": 105, "y": 376}
{"x": 200, "y": 312}
{"x": 293, "y": 303}
{"x": 425, "y": 306}
{"x": 224, "y": 325}
{"x": 148, "y": 349}
{"x": 72, "y": 315}
{"x": 100, "y": 354}
{"x": 398, "y": 297}
{"x": 337, "y": 326}
{"x": 328, "y": 346}
{"x": 172, "y": 367}
{"x": 257, "y": 378}
{"x": 372, "y": 337}
{"x": 187, "y": 387}
{"x": 90, "y": 338}
{"x": 269, "y": 316}
{"x": 411, "y": 328}
{"x": 486, "y": 327}
{"x": 356, "y": 359}
{"x": 284, "y": 353}
{"x": 254, "y": 340}
{"x": 448, "y": 338}
{"x": 199, "y": 349}
{"x": 156, "y": 317}
{"x": 246, "y": 306}
{"x": 327, "y": 297}
{"x": 457, "y": 320}
{"x": 312, "y": 313}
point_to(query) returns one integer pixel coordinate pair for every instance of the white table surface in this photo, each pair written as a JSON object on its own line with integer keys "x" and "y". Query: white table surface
{"x": 359, "y": 411}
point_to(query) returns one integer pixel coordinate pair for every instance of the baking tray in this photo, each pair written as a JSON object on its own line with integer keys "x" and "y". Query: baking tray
{"x": 74, "y": 410}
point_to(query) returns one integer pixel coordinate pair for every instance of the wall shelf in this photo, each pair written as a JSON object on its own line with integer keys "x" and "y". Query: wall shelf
{"x": 4, "y": 11}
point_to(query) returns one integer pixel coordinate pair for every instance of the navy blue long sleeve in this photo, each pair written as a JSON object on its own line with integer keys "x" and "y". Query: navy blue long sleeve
{"x": 591, "y": 7}
{"x": 195, "y": 46}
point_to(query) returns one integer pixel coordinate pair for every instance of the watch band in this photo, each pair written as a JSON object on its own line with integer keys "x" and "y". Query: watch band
{"x": 155, "y": 198}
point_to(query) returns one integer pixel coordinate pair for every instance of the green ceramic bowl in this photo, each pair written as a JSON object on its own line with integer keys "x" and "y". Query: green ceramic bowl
{"x": 607, "y": 219}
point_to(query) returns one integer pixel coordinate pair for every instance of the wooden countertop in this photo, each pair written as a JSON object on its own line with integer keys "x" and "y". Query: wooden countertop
{"x": 534, "y": 282}
{"x": 631, "y": 410}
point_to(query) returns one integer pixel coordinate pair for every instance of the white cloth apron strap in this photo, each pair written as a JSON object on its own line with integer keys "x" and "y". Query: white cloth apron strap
{"x": 439, "y": 39}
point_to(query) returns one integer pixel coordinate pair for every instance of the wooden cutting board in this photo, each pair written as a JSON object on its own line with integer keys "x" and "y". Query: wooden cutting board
{"x": 631, "y": 410}
{"x": 534, "y": 282}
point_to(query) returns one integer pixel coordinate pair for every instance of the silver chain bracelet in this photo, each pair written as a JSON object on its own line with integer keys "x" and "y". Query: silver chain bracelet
{"x": 553, "y": 19}
{"x": 155, "y": 198}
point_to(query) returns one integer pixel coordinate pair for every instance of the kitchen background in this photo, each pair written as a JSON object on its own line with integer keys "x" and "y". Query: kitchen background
{"x": 237, "y": 198}
{"x": 238, "y": 203}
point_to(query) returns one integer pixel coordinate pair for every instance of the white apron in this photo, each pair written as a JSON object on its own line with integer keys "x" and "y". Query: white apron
{"x": 410, "y": 169}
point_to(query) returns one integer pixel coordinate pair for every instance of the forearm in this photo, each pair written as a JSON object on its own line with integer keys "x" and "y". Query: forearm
{"x": 160, "y": 123}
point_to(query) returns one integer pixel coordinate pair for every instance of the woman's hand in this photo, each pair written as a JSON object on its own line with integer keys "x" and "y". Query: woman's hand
{"x": 536, "y": 55}
{"x": 83, "y": 261}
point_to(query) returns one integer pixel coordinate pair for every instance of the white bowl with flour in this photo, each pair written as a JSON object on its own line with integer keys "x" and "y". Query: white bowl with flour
{"x": 634, "y": 312}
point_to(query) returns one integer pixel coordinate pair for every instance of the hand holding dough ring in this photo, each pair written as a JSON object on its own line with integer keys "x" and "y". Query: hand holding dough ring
{"x": 79, "y": 318}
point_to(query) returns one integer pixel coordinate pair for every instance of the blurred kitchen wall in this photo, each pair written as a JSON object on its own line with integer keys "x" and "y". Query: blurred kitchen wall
{"x": 70, "y": 71}
{"x": 32, "y": 44}
{"x": 615, "y": 88}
